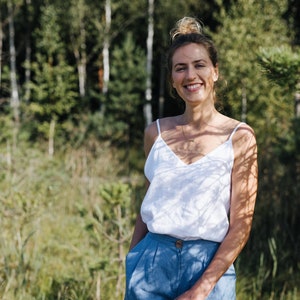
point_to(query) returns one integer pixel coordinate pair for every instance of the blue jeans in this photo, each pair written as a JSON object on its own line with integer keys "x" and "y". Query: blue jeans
{"x": 161, "y": 267}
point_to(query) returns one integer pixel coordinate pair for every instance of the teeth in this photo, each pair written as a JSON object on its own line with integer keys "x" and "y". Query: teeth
{"x": 193, "y": 86}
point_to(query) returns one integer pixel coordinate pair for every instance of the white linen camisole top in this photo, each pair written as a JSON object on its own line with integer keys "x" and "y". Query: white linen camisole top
{"x": 188, "y": 201}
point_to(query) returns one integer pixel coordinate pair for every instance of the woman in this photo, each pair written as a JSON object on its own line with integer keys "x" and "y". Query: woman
{"x": 202, "y": 180}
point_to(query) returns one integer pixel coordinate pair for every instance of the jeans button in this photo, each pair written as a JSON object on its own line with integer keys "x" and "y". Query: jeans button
{"x": 179, "y": 244}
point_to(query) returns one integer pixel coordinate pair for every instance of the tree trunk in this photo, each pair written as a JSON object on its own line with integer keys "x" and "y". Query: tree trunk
{"x": 15, "y": 101}
{"x": 79, "y": 49}
{"x": 106, "y": 45}
{"x": 81, "y": 61}
{"x": 147, "y": 106}
{"x": 1, "y": 49}
{"x": 51, "y": 138}
{"x": 297, "y": 104}
{"x": 162, "y": 80}
{"x": 27, "y": 52}
{"x": 82, "y": 77}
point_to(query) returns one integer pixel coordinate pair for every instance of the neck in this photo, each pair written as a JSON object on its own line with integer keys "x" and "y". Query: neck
{"x": 197, "y": 118}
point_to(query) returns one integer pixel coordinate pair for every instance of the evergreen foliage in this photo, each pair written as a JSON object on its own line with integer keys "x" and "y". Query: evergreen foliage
{"x": 282, "y": 65}
{"x": 249, "y": 96}
{"x": 124, "y": 102}
{"x": 66, "y": 220}
{"x": 53, "y": 85}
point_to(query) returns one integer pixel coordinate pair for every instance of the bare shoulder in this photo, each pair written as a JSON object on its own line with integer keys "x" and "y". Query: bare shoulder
{"x": 164, "y": 123}
{"x": 229, "y": 125}
{"x": 244, "y": 132}
{"x": 150, "y": 135}
{"x": 244, "y": 139}
{"x": 151, "y": 131}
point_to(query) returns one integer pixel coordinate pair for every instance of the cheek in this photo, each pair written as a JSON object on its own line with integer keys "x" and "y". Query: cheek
{"x": 173, "y": 83}
{"x": 211, "y": 76}
{"x": 175, "y": 80}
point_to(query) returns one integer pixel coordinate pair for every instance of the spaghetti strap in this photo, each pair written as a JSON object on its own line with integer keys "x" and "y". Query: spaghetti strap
{"x": 235, "y": 129}
{"x": 158, "y": 126}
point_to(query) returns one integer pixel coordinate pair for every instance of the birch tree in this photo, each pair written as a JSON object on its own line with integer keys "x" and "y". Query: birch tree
{"x": 148, "y": 94}
{"x": 28, "y": 47}
{"x": 106, "y": 45}
{"x": 78, "y": 16}
{"x": 15, "y": 100}
{"x": 113, "y": 30}
{"x": 1, "y": 47}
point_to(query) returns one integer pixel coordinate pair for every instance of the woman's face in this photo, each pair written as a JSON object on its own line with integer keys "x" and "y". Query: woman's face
{"x": 193, "y": 74}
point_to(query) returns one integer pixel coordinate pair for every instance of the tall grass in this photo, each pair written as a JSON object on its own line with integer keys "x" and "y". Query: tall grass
{"x": 59, "y": 238}
{"x": 66, "y": 223}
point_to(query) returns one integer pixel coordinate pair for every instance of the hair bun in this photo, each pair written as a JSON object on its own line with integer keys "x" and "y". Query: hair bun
{"x": 186, "y": 25}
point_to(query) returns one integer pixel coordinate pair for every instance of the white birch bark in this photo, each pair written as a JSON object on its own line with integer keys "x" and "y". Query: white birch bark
{"x": 79, "y": 49}
{"x": 148, "y": 94}
{"x": 51, "y": 137}
{"x": 161, "y": 91}
{"x": 81, "y": 61}
{"x": 106, "y": 45}
{"x": 1, "y": 49}
{"x": 15, "y": 101}
{"x": 297, "y": 104}
{"x": 27, "y": 55}
{"x": 82, "y": 77}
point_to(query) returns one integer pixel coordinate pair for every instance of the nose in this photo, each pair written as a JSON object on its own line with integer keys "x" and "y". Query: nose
{"x": 191, "y": 73}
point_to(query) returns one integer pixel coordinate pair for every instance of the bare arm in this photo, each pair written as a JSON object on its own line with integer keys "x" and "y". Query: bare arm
{"x": 243, "y": 196}
{"x": 140, "y": 229}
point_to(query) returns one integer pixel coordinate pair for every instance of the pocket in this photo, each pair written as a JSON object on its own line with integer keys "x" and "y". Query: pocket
{"x": 136, "y": 247}
{"x": 133, "y": 257}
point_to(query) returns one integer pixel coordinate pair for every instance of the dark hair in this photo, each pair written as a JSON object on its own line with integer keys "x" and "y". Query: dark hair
{"x": 189, "y": 30}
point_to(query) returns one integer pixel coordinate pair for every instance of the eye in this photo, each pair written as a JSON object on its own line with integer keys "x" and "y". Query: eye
{"x": 180, "y": 69}
{"x": 199, "y": 66}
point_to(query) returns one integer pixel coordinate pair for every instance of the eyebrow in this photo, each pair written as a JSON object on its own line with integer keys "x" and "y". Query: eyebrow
{"x": 194, "y": 62}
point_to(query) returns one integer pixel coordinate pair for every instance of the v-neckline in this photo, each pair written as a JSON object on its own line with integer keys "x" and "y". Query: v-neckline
{"x": 197, "y": 160}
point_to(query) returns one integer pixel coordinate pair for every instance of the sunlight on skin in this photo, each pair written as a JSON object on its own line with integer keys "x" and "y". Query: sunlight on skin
{"x": 200, "y": 130}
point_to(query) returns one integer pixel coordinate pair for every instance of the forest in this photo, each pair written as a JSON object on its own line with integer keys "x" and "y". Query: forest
{"x": 79, "y": 81}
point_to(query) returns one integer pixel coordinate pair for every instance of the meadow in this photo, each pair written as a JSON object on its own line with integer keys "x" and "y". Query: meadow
{"x": 66, "y": 222}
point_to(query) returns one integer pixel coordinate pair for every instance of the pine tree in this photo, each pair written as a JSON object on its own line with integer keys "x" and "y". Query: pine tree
{"x": 127, "y": 85}
{"x": 54, "y": 84}
{"x": 245, "y": 28}
{"x": 282, "y": 65}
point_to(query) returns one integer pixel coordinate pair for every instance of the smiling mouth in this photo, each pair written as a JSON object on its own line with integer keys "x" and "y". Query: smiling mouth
{"x": 193, "y": 87}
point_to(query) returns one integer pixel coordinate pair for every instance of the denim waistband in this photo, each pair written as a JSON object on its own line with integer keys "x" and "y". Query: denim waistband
{"x": 170, "y": 240}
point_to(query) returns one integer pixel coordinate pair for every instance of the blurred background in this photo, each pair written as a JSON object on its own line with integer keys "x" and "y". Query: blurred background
{"x": 79, "y": 81}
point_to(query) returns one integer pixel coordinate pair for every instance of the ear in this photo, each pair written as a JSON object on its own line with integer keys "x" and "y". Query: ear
{"x": 216, "y": 73}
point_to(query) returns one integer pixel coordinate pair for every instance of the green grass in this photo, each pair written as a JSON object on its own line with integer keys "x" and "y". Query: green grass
{"x": 55, "y": 240}
{"x": 66, "y": 222}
